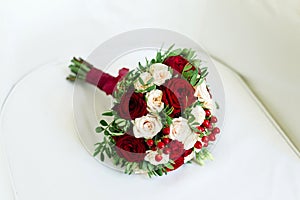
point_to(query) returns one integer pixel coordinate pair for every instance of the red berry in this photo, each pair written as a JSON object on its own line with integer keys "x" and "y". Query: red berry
{"x": 210, "y": 127}
{"x": 150, "y": 142}
{"x": 201, "y": 129}
{"x": 213, "y": 119}
{"x": 206, "y": 123}
{"x": 207, "y": 113}
{"x": 205, "y": 139}
{"x": 205, "y": 145}
{"x": 153, "y": 148}
{"x": 212, "y": 137}
{"x": 160, "y": 145}
{"x": 158, "y": 157}
{"x": 166, "y": 140}
{"x": 167, "y": 150}
{"x": 166, "y": 131}
{"x": 216, "y": 130}
{"x": 198, "y": 145}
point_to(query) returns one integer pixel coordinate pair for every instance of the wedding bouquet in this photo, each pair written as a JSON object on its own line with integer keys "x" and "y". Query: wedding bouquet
{"x": 163, "y": 114}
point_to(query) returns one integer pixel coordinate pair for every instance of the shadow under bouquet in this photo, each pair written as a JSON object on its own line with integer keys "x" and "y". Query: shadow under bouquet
{"x": 163, "y": 114}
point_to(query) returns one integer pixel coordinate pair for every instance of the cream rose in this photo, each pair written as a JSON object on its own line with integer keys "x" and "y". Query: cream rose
{"x": 199, "y": 114}
{"x": 150, "y": 157}
{"x": 180, "y": 130}
{"x": 201, "y": 92}
{"x": 154, "y": 103}
{"x": 147, "y": 126}
{"x": 160, "y": 73}
{"x": 145, "y": 76}
{"x": 210, "y": 104}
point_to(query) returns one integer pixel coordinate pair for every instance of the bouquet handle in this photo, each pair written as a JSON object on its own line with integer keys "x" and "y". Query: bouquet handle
{"x": 83, "y": 70}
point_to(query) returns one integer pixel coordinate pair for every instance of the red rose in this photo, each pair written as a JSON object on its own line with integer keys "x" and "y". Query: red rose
{"x": 132, "y": 105}
{"x": 177, "y": 63}
{"x": 178, "y": 154}
{"x": 179, "y": 94}
{"x": 178, "y": 163}
{"x": 131, "y": 148}
{"x": 169, "y": 98}
{"x": 176, "y": 149}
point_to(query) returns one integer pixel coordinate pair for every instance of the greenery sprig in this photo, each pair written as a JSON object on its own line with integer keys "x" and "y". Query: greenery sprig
{"x": 202, "y": 156}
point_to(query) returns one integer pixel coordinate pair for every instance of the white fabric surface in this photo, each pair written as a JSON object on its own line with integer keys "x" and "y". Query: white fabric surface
{"x": 252, "y": 160}
{"x": 261, "y": 41}
{"x": 35, "y": 32}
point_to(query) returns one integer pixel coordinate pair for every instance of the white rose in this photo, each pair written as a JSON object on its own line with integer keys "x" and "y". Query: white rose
{"x": 145, "y": 76}
{"x": 189, "y": 157}
{"x": 160, "y": 73}
{"x": 180, "y": 130}
{"x": 201, "y": 92}
{"x": 150, "y": 157}
{"x": 154, "y": 102}
{"x": 147, "y": 126}
{"x": 210, "y": 104}
{"x": 199, "y": 114}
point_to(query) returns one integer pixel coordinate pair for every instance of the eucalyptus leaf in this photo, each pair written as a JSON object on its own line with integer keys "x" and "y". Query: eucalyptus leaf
{"x": 99, "y": 129}
{"x": 193, "y": 79}
{"x": 102, "y": 156}
{"x": 141, "y": 81}
{"x": 103, "y": 123}
{"x": 108, "y": 113}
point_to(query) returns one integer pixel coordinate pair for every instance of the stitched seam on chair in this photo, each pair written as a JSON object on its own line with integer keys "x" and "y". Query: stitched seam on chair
{"x": 261, "y": 106}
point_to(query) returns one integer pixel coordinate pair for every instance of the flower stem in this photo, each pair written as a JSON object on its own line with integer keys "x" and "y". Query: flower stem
{"x": 79, "y": 69}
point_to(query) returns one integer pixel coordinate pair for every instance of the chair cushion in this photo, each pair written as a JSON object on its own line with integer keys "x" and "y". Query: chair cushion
{"x": 48, "y": 161}
{"x": 261, "y": 41}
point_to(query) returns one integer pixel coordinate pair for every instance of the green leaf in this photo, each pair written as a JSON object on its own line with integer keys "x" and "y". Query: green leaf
{"x": 159, "y": 172}
{"x": 172, "y": 162}
{"x": 141, "y": 81}
{"x": 194, "y": 79}
{"x": 187, "y": 67}
{"x": 169, "y": 120}
{"x": 103, "y": 123}
{"x": 106, "y": 132}
{"x": 175, "y": 52}
{"x": 122, "y": 124}
{"x": 185, "y": 52}
{"x": 169, "y": 49}
{"x": 102, "y": 156}
{"x": 200, "y": 81}
{"x": 142, "y": 68}
{"x": 217, "y": 106}
{"x": 117, "y": 134}
{"x": 99, "y": 129}
{"x": 158, "y": 57}
{"x": 150, "y": 81}
{"x": 96, "y": 153}
{"x": 113, "y": 129}
{"x": 196, "y": 62}
{"x": 108, "y": 153}
{"x": 108, "y": 113}
{"x": 144, "y": 166}
{"x": 150, "y": 167}
{"x": 169, "y": 166}
{"x": 150, "y": 174}
{"x": 191, "y": 119}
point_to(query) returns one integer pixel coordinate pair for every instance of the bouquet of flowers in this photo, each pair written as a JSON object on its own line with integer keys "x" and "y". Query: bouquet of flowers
{"x": 163, "y": 114}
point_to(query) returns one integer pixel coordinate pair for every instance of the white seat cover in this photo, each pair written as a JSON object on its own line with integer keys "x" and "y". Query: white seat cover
{"x": 48, "y": 161}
